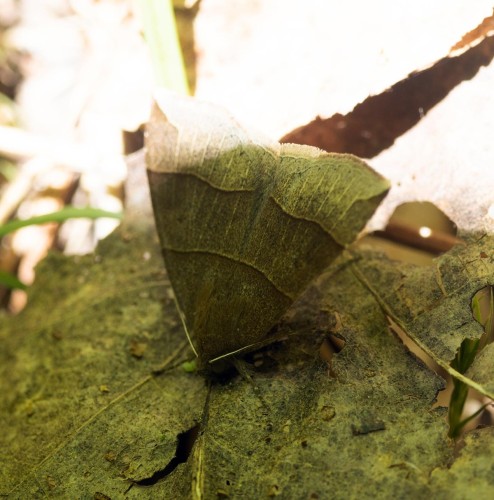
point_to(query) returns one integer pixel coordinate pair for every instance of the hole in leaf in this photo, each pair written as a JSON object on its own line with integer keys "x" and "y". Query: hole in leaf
{"x": 413, "y": 348}
{"x": 416, "y": 231}
{"x": 331, "y": 345}
{"x": 483, "y": 312}
{"x": 466, "y": 408}
{"x": 185, "y": 442}
{"x": 442, "y": 397}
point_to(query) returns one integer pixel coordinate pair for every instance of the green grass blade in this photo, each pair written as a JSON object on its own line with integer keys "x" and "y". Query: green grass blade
{"x": 60, "y": 216}
{"x": 10, "y": 281}
{"x": 456, "y": 431}
{"x": 160, "y": 31}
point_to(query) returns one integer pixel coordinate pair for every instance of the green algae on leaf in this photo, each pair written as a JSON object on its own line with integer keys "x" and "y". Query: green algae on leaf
{"x": 85, "y": 418}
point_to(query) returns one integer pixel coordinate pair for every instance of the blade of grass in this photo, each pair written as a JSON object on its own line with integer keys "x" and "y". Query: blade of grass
{"x": 10, "y": 281}
{"x": 160, "y": 31}
{"x": 60, "y": 216}
{"x": 456, "y": 432}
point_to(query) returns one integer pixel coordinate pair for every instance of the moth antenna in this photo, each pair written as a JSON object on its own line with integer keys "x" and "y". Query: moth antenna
{"x": 257, "y": 345}
{"x": 242, "y": 349}
{"x": 182, "y": 318}
{"x": 280, "y": 336}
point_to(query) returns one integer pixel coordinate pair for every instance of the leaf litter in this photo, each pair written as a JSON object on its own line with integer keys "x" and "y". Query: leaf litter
{"x": 369, "y": 429}
{"x": 85, "y": 418}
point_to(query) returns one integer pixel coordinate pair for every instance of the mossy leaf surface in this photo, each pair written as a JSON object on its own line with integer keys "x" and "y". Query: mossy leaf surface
{"x": 87, "y": 414}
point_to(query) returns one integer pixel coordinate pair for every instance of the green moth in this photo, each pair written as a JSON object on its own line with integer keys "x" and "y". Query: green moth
{"x": 245, "y": 224}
